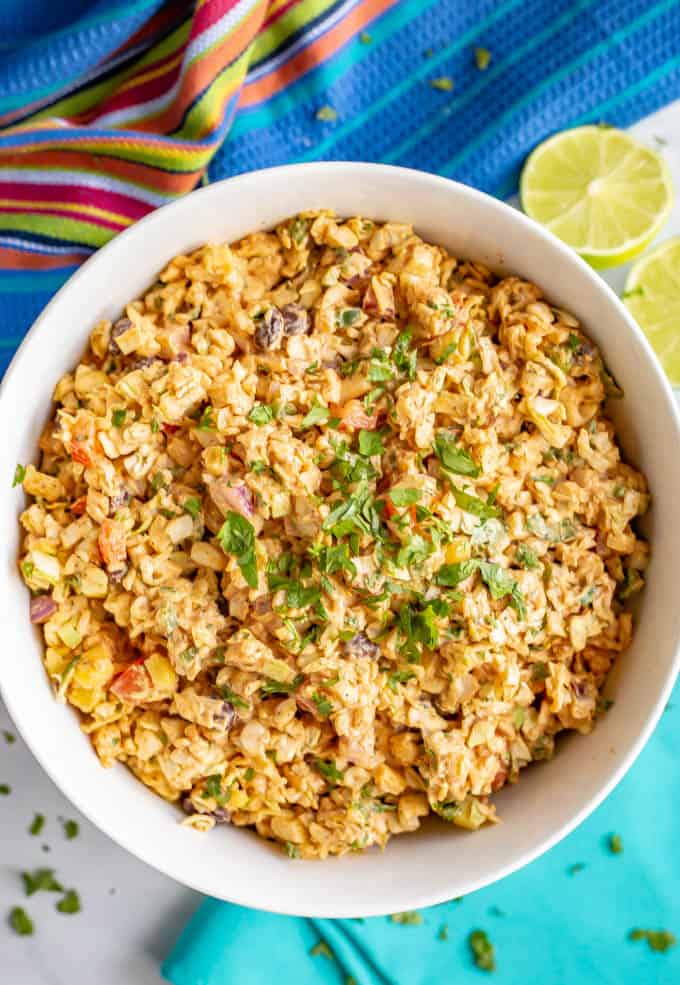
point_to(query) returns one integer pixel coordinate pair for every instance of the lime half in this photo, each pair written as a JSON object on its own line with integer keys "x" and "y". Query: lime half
{"x": 602, "y": 192}
{"x": 652, "y": 296}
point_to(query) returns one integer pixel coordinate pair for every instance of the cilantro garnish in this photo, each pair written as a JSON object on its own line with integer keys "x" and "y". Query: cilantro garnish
{"x": 192, "y": 506}
{"x": 370, "y": 443}
{"x": 575, "y": 868}
{"x": 233, "y": 698}
{"x": 291, "y": 850}
{"x": 37, "y": 824}
{"x": 261, "y": 414}
{"x": 8, "y": 737}
{"x": 281, "y": 687}
{"x": 41, "y": 880}
{"x": 482, "y": 950}
{"x": 498, "y": 580}
{"x": 414, "y": 551}
{"x": 348, "y": 316}
{"x": 379, "y": 368}
{"x": 206, "y": 422}
{"x": 19, "y": 475}
{"x": 658, "y": 940}
{"x": 5, "y": 789}
{"x": 409, "y": 918}
{"x": 71, "y": 829}
{"x": 70, "y": 902}
{"x": 404, "y": 497}
{"x": 323, "y": 705}
{"x": 329, "y": 771}
{"x": 403, "y": 356}
{"x": 316, "y": 415}
{"x": 526, "y": 557}
{"x": 213, "y": 788}
{"x": 540, "y": 671}
{"x": 322, "y": 948}
{"x": 237, "y": 537}
{"x": 485, "y": 511}
{"x": 453, "y": 457}
{"x": 443, "y": 934}
{"x": 333, "y": 559}
{"x": 118, "y": 418}
{"x": 399, "y": 677}
{"x": 615, "y": 844}
{"x": 20, "y": 922}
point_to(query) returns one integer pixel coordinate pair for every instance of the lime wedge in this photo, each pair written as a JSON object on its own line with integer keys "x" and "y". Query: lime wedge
{"x": 652, "y": 296}
{"x": 602, "y": 192}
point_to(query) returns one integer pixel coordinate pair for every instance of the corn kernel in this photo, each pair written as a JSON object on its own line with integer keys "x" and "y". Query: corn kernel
{"x": 162, "y": 673}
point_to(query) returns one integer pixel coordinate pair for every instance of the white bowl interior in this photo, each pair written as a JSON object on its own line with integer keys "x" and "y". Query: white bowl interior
{"x": 439, "y": 862}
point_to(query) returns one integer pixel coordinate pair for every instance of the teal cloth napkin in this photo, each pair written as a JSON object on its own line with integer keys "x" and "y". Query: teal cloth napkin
{"x": 563, "y": 920}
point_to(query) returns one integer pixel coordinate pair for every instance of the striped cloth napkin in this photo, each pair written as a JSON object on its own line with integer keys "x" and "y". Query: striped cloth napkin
{"x": 109, "y": 109}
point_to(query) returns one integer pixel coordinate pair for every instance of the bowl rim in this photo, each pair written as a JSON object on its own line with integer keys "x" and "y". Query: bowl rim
{"x": 252, "y": 897}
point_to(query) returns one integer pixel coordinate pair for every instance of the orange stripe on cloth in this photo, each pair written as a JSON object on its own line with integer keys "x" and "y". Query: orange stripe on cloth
{"x": 202, "y": 72}
{"x": 23, "y": 260}
{"x": 175, "y": 183}
{"x": 307, "y": 59}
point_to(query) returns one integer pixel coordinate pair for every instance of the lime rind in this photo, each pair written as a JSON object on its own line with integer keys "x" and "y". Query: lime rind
{"x": 652, "y": 295}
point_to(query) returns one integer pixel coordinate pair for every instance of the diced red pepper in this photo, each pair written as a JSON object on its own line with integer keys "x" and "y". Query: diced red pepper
{"x": 133, "y": 685}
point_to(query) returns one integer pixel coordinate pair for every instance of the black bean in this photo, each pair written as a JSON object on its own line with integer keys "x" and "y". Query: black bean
{"x": 361, "y": 646}
{"x": 118, "y": 328}
{"x": 224, "y": 718}
{"x": 269, "y": 329}
{"x": 223, "y": 605}
{"x": 295, "y": 319}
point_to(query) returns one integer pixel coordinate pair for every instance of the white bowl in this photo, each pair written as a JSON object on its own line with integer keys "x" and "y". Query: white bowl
{"x": 439, "y": 862}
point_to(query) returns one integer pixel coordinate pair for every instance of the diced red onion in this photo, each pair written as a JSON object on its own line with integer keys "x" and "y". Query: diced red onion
{"x": 42, "y": 607}
{"x": 238, "y": 498}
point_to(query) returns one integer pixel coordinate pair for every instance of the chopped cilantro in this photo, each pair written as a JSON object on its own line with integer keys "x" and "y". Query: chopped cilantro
{"x": 540, "y": 671}
{"x": 291, "y": 850}
{"x": 233, "y": 698}
{"x": 70, "y": 903}
{"x": 615, "y": 844}
{"x": 237, "y": 537}
{"x": 281, "y": 687}
{"x": 19, "y": 475}
{"x": 573, "y": 342}
{"x": 526, "y": 557}
{"x": 409, "y": 918}
{"x": 258, "y": 466}
{"x": 635, "y": 292}
{"x": 453, "y": 457}
{"x": 414, "y": 551}
{"x": 576, "y": 867}
{"x": 379, "y": 369}
{"x": 326, "y": 114}
{"x": 323, "y": 705}
{"x": 403, "y": 357}
{"x": 482, "y": 950}
{"x": 658, "y": 940}
{"x": 370, "y": 443}
{"x": 482, "y": 58}
{"x": 329, "y": 771}
{"x": 316, "y": 415}
{"x": 206, "y": 422}
{"x": 37, "y": 824}
{"x": 298, "y": 229}
{"x": 20, "y": 922}
{"x": 444, "y": 83}
{"x": 249, "y": 774}
{"x": 5, "y": 789}
{"x": 322, "y": 948}
{"x": 519, "y": 716}
{"x": 399, "y": 677}
{"x": 485, "y": 511}
{"x": 348, "y": 316}
{"x": 213, "y": 788}
{"x": 118, "y": 418}
{"x": 443, "y": 934}
{"x": 261, "y": 414}
{"x": 404, "y": 497}
{"x": 71, "y": 829}
{"x": 8, "y": 737}
{"x": 192, "y": 506}
{"x": 41, "y": 880}
{"x": 155, "y": 426}
{"x": 498, "y": 580}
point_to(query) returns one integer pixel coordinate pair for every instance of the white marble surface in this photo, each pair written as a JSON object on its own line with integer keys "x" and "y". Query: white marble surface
{"x": 131, "y": 913}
